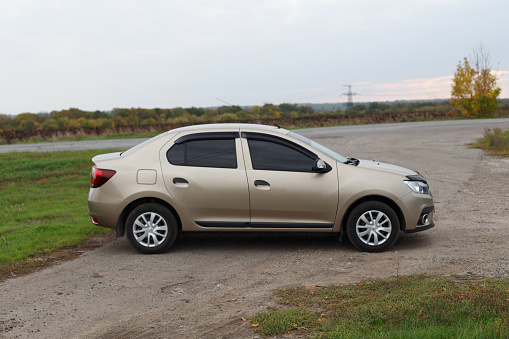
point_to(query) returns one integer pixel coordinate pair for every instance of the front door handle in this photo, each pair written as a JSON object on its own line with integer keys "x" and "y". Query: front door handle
{"x": 180, "y": 181}
{"x": 261, "y": 183}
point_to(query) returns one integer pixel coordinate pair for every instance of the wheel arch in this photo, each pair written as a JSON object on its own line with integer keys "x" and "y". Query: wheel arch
{"x": 120, "y": 229}
{"x": 380, "y": 198}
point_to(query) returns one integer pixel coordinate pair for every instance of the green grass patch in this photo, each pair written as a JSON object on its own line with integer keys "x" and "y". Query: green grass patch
{"x": 494, "y": 141}
{"x": 402, "y": 307}
{"x": 43, "y": 202}
{"x": 281, "y": 321}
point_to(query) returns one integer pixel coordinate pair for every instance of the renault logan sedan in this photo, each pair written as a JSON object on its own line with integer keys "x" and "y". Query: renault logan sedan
{"x": 252, "y": 178}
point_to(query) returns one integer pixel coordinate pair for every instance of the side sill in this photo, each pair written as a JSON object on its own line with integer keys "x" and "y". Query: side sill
{"x": 261, "y": 224}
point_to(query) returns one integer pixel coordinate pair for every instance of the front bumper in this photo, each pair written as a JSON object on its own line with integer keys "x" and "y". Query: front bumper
{"x": 418, "y": 210}
{"x": 425, "y": 220}
{"x": 421, "y": 228}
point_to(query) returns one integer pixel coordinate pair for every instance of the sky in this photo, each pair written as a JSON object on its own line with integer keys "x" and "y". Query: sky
{"x": 105, "y": 54}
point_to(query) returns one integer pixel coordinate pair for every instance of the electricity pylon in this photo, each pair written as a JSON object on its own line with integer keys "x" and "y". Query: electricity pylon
{"x": 349, "y": 95}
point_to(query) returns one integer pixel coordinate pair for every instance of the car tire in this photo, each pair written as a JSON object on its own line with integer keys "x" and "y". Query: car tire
{"x": 373, "y": 226}
{"x": 151, "y": 228}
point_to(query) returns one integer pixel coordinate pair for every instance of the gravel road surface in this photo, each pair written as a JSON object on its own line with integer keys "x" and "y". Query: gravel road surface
{"x": 189, "y": 292}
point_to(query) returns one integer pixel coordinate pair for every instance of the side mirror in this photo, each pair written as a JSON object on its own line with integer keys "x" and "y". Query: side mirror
{"x": 319, "y": 166}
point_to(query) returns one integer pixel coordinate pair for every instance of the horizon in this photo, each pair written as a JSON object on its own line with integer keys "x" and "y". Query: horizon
{"x": 246, "y": 106}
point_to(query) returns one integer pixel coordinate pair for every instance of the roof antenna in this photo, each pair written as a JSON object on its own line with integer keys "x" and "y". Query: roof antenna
{"x": 251, "y": 113}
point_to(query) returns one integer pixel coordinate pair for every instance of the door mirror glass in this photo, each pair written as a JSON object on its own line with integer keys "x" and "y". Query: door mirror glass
{"x": 319, "y": 166}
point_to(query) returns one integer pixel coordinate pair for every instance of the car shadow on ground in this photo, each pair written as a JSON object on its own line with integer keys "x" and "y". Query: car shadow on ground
{"x": 269, "y": 241}
{"x": 415, "y": 241}
{"x": 263, "y": 241}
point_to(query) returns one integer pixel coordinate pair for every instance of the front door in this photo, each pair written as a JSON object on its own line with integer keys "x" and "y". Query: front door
{"x": 284, "y": 190}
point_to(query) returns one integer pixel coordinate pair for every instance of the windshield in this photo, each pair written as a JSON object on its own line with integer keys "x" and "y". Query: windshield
{"x": 319, "y": 147}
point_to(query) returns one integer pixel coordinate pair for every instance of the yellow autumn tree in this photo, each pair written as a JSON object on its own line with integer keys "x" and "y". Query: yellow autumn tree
{"x": 474, "y": 87}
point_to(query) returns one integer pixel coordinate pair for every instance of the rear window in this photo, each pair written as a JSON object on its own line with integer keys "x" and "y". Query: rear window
{"x": 146, "y": 142}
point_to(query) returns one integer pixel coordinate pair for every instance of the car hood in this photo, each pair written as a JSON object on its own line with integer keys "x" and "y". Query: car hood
{"x": 372, "y": 164}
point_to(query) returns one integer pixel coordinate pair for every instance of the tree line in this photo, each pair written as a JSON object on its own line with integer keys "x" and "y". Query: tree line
{"x": 118, "y": 117}
{"x": 76, "y": 118}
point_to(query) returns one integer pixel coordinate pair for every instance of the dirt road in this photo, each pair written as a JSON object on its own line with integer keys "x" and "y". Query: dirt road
{"x": 114, "y": 292}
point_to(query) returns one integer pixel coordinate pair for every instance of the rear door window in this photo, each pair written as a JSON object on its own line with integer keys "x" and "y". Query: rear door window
{"x": 219, "y": 153}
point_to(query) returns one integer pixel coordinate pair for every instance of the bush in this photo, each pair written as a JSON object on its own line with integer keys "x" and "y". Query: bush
{"x": 494, "y": 141}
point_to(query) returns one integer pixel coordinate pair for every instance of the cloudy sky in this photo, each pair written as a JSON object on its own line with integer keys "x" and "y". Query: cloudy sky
{"x": 98, "y": 55}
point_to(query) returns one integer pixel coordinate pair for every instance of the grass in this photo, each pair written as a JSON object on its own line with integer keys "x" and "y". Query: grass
{"x": 43, "y": 203}
{"x": 402, "y": 307}
{"x": 495, "y": 142}
{"x": 281, "y": 321}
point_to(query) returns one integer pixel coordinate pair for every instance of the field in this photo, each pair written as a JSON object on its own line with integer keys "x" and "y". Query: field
{"x": 44, "y": 203}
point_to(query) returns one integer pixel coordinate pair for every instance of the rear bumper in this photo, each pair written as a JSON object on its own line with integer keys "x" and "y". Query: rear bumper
{"x": 102, "y": 206}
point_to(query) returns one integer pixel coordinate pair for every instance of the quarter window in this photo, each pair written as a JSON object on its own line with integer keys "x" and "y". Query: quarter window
{"x": 176, "y": 155}
{"x": 271, "y": 156}
{"x": 218, "y": 153}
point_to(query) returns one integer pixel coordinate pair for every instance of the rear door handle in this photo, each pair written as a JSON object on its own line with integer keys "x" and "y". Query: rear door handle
{"x": 180, "y": 181}
{"x": 261, "y": 183}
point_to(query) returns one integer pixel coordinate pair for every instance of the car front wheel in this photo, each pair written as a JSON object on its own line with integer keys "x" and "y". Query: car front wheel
{"x": 373, "y": 226}
{"x": 151, "y": 228}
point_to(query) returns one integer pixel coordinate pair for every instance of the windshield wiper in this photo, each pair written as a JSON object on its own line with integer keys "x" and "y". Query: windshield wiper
{"x": 352, "y": 161}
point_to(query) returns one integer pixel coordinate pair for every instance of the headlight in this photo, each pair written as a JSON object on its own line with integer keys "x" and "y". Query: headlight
{"x": 418, "y": 186}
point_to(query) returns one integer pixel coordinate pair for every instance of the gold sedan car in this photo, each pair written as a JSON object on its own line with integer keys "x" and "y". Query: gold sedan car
{"x": 246, "y": 177}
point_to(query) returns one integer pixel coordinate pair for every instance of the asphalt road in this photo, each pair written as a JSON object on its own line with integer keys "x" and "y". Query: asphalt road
{"x": 81, "y": 145}
{"x": 206, "y": 284}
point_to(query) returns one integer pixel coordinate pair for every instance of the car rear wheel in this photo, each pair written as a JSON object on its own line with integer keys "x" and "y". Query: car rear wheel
{"x": 373, "y": 226}
{"x": 151, "y": 228}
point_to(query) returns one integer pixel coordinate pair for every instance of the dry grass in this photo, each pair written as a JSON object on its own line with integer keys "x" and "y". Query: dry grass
{"x": 495, "y": 142}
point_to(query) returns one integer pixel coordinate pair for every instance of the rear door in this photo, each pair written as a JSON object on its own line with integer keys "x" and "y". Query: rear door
{"x": 205, "y": 174}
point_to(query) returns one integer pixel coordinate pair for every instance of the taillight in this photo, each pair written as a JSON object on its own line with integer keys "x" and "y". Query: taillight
{"x": 99, "y": 176}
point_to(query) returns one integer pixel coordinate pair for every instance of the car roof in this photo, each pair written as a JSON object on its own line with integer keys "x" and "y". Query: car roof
{"x": 204, "y": 128}
{"x": 231, "y": 126}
